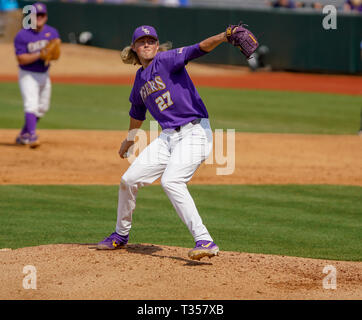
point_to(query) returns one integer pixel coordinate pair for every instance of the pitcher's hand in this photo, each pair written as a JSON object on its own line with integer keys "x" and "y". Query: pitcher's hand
{"x": 126, "y": 144}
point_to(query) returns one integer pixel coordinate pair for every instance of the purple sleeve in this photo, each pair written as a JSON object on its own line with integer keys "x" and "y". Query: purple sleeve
{"x": 138, "y": 112}
{"x": 138, "y": 109}
{"x": 176, "y": 59}
{"x": 55, "y": 34}
{"x": 20, "y": 45}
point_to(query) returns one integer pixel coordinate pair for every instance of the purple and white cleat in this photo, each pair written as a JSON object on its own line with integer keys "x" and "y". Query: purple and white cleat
{"x": 203, "y": 248}
{"x": 34, "y": 141}
{"x": 27, "y": 139}
{"x": 22, "y": 139}
{"x": 114, "y": 241}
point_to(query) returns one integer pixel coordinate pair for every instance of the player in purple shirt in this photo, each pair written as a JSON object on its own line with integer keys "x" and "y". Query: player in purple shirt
{"x": 353, "y": 6}
{"x": 163, "y": 87}
{"x": 34, "y": 81}
{"x": 283, "y": 4}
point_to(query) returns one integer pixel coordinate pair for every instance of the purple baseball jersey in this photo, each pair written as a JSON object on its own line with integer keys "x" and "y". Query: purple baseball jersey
{"x": 165, "y": 89}
{"x": 29, "y": 41}
{"x": 354, "y": 7}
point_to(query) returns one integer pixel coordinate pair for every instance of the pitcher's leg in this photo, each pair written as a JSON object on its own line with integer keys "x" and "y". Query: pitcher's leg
{"x": 179, "y": 195}
{"x": 127, "y": 195}
{"x": 145, "y": 169}
{"x": 185, "y": 159}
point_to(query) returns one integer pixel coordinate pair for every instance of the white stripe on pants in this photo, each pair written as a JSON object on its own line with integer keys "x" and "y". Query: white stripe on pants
{"x": 176, "y": 156}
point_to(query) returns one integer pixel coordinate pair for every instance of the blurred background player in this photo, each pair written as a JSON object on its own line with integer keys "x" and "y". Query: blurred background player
{"x": 353, "y": 5}
{"x": 283, "y": 4}
{"x": 34, "y": 81}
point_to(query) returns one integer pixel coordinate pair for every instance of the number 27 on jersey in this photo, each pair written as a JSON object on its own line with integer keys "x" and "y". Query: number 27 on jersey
{"x": 164, "y": 101}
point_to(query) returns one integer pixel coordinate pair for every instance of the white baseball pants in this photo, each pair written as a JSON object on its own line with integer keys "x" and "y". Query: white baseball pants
{"x": 35, "y": 88}
{"x": 175, "y": 156}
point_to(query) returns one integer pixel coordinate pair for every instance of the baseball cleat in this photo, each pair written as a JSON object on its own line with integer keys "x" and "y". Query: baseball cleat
{"x": 114, "y": 241}
{"x": 34, "y": 141}
{"x": 27, "y": 139}
{"x": 22, "y": 139}
{"x": 203, "y": 248}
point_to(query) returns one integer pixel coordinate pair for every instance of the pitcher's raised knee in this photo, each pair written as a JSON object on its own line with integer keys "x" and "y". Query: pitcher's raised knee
{"x": 127, "y": 181}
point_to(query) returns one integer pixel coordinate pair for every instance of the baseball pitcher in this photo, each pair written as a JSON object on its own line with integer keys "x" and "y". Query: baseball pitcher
{"x": 163, "y": 87}
{"x": 34, "y": 49}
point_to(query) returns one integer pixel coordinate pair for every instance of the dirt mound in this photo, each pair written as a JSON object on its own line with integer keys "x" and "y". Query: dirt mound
{"x": 146, "y": 271}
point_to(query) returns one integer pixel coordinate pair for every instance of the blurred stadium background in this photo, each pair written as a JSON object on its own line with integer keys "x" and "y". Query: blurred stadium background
{"x": 290, "y": 38}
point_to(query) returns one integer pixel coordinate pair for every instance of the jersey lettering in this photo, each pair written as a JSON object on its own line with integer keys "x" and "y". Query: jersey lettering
{"x": 152, "y": 86}
{"x": 37, "y": 46}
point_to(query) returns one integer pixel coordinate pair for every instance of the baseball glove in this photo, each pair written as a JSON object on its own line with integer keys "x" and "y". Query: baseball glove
{"x": 51, "y": 51}
{"x": 242, "y": 38}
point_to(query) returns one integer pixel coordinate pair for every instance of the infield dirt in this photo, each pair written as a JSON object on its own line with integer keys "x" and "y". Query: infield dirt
{"x": 146, "y": 271}
{"x": 73, "y": 157}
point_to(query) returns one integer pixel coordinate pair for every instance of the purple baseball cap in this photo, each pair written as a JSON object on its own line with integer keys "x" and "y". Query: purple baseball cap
{"x": 143, "y": 31}
{"x": 40, "y": 7}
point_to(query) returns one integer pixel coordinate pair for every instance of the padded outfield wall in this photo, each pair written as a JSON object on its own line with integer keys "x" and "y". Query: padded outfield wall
{"x": 297, "y": 40}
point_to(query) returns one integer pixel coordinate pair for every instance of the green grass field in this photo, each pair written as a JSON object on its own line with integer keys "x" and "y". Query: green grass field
{"x": 106, "y": 107}
{"x": 308, "y": 221}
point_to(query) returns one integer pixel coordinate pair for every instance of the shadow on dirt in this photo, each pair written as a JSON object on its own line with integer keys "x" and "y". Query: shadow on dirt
{"x": 12, "y": 144}
{"x": 152, "y": 250}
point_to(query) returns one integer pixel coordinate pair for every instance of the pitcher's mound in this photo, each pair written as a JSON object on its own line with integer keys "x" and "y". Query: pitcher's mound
{"x": 147, "y": 271}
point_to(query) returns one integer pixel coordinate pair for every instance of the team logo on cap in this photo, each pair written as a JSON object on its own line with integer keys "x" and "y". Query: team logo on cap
{"x": 39, "y": 6}
{"x": 145, "y": 30}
